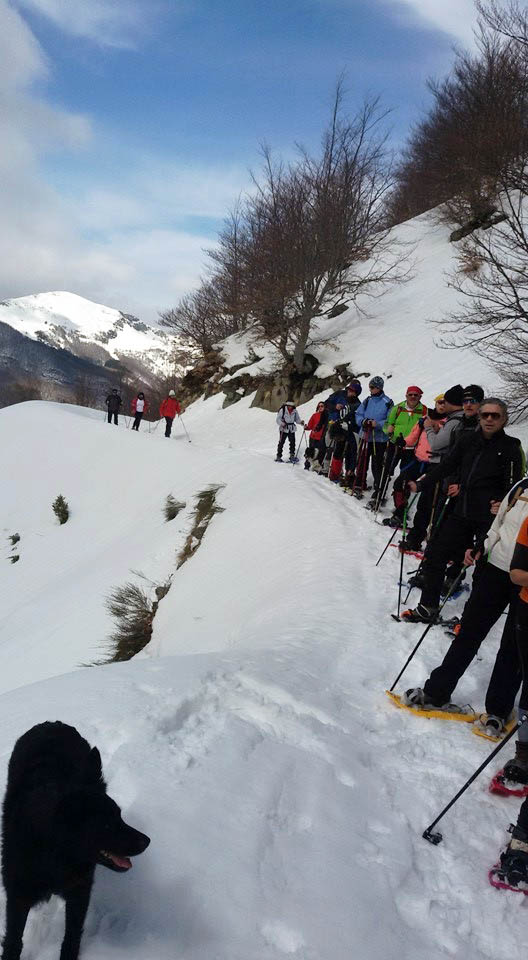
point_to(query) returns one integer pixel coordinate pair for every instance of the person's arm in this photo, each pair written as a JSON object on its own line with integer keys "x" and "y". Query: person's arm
{"x": 360, "y": 413}
{"x": 382, "y": 420}
{"x": 447, "y": 466}
{"x": 439, "y": 442}
{"x": 519, "y": 563}
{"x": 390, "y": 421}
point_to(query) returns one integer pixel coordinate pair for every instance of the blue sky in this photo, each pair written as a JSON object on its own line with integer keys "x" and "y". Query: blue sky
{"x": 131, "y": 124}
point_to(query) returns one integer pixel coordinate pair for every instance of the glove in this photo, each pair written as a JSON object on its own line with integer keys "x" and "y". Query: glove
{"x": 400, "y": 441}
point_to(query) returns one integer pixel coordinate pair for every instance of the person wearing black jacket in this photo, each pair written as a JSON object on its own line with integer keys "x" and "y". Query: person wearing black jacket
{"x": 488, "y": 462}
{"x": 113, "y": 402}
{"x": 342, "y": 433}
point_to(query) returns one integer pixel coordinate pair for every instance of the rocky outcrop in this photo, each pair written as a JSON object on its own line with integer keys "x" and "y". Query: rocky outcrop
{"x": 271, "y": 390}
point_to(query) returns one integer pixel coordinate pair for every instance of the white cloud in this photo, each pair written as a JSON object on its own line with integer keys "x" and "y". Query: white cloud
{"x": 454, "y": 17}
{"x": 106, "y": 22}
{"x": 125, "y": 242}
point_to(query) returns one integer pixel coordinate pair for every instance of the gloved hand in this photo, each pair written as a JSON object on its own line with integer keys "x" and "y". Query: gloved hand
{"x": 400, "y": 441}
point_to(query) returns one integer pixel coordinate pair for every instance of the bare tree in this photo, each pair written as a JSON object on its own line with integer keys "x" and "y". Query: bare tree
{"x": 313, "y": 235}
{"x": 456, "y": 155}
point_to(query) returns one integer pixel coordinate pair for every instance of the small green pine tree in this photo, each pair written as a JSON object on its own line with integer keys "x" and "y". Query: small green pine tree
{"x": 61, "y": 509}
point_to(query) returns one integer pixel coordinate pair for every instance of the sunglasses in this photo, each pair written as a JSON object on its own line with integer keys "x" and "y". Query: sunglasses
{"x": 414, "y": 394}
{"x": 470, "y": 400}
{"x": 490, "y": 413}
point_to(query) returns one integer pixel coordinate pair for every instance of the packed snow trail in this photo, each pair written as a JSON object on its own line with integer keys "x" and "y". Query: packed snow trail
{"x": 252, "y": 739}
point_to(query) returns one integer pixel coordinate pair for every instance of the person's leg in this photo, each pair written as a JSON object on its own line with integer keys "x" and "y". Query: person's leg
{"x": 109, "y": 416}
{"x": 115, "y": 418}
{"x": 282, "y": 440}
{"x": 452, "y": 541}
{"x": 506, "y": 677}
{"x": 488, "y": 600}
{"x": 291, "y": 441}
{"x": 351, "y": 453}
{"x": 168, "y": 427}
{"x": 377, "y": 463}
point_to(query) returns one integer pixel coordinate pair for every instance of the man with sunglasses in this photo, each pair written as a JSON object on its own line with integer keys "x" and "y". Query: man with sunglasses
{"x": 487, "y": 462}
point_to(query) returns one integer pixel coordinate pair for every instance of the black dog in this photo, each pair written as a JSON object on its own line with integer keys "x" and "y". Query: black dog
{"x": 58, "y": 823}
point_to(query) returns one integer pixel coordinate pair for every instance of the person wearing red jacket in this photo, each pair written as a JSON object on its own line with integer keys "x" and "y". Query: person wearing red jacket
{"x": 139, "y": 407}
{"x": 317, "y": 426}
{"x": 168, "y": 409}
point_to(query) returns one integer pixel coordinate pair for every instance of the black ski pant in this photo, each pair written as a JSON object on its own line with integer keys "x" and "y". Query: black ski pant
{"x": 282, "y": 440}
{"x": 492, "y": 592}
{"x": 137, "y": 420}
{"x": 168, "y": 426}
{"x": 452, "y": 540}
{"x": 428, "y": 508}
{"x": 521, "y": 631}
{"x": 112, "y": 413}
{"x": 316, "y": 447}
{"x": 373, "y": 454}
{"x": 351, "y": 453}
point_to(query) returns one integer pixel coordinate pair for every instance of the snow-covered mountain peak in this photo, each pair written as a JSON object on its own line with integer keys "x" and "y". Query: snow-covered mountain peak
{"x": 92, "y": 330}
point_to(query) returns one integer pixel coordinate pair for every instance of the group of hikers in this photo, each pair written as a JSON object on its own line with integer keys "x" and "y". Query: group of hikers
{"x": 465, "y": 476}
{"x": 169, "y": 409}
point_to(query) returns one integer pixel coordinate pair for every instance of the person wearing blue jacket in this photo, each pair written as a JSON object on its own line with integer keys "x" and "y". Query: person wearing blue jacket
{"x": 370, "y": 417}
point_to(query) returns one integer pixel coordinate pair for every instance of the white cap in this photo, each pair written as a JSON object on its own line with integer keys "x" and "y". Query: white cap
{"x": 171, "y": 393}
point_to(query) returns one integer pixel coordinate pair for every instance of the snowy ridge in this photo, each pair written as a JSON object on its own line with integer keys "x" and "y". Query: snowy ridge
{"x": 90, "y": 329}
{"x": 252, "y": 739}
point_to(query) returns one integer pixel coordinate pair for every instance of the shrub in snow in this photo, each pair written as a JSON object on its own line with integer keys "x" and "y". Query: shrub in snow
{"x": 14, "y": 538}
{"x": 15, "y": 558}
{"x": 206, "y": 507}
{"x": 134, "y": 613}
{"x": 172, "y": 507}
{"x": 61, "y": 509}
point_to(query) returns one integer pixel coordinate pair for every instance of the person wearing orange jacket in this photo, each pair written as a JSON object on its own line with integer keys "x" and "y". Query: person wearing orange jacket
{"x": 168, "y": 409}
{"x": 139, "y": 407}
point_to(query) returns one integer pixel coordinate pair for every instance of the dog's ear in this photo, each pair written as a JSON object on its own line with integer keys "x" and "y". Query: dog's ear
{"x": 94, "y": 767}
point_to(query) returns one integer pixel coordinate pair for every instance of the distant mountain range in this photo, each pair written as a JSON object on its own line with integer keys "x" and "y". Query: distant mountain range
{"x": 60, "y": 345}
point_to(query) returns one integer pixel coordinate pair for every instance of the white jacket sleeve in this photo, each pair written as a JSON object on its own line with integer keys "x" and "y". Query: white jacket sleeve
{"x": 494, "y": 532}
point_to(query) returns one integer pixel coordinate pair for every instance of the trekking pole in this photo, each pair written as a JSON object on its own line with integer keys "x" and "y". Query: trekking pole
{"x": 407, "y": 507}
{"x": 436, "y": 838}
{"x": 300, "y": 441}
{"x": 393, "y": 534}
{"x": 432, "y": 623}
{"x": 362, "y": 461}
{"x": 433, "y": 533}
{"x": 184, "y": 427}
{"x": 383, "y": 484}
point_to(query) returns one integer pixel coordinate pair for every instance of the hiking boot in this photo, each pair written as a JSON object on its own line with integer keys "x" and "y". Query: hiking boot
{"x": 450, "y": 581}
{"x": 516, "y": 769}
{"x": 279, "y": 460}
{"x": 420, "y": 614}
{"x": 417, "y": 580}
{"x": 491, "y": 725}
{"x": 393, "y": 521}
{"x": 415, "y": 697}
{"x": 410, "y": 542}
{"x": 512, "y": 871}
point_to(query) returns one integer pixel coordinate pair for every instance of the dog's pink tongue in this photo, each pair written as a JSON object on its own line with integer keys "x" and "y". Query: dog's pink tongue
{"x": 122, "y": 862}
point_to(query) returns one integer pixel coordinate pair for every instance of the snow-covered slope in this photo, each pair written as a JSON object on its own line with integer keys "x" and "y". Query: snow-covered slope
{"x": 392, "y": 335}
{"x": 252, "y": 739}
{"x": 92, "y": 330}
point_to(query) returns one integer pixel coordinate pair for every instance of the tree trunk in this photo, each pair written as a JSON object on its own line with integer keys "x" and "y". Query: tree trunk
{"x": 302, "y": 340}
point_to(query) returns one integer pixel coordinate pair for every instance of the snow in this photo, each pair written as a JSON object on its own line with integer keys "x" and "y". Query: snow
{"x": 252, "y": 739}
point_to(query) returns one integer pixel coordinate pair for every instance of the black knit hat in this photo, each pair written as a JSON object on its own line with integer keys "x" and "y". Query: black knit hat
{"x": 455, "y": 395}
{"x": 474, "y": 392}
